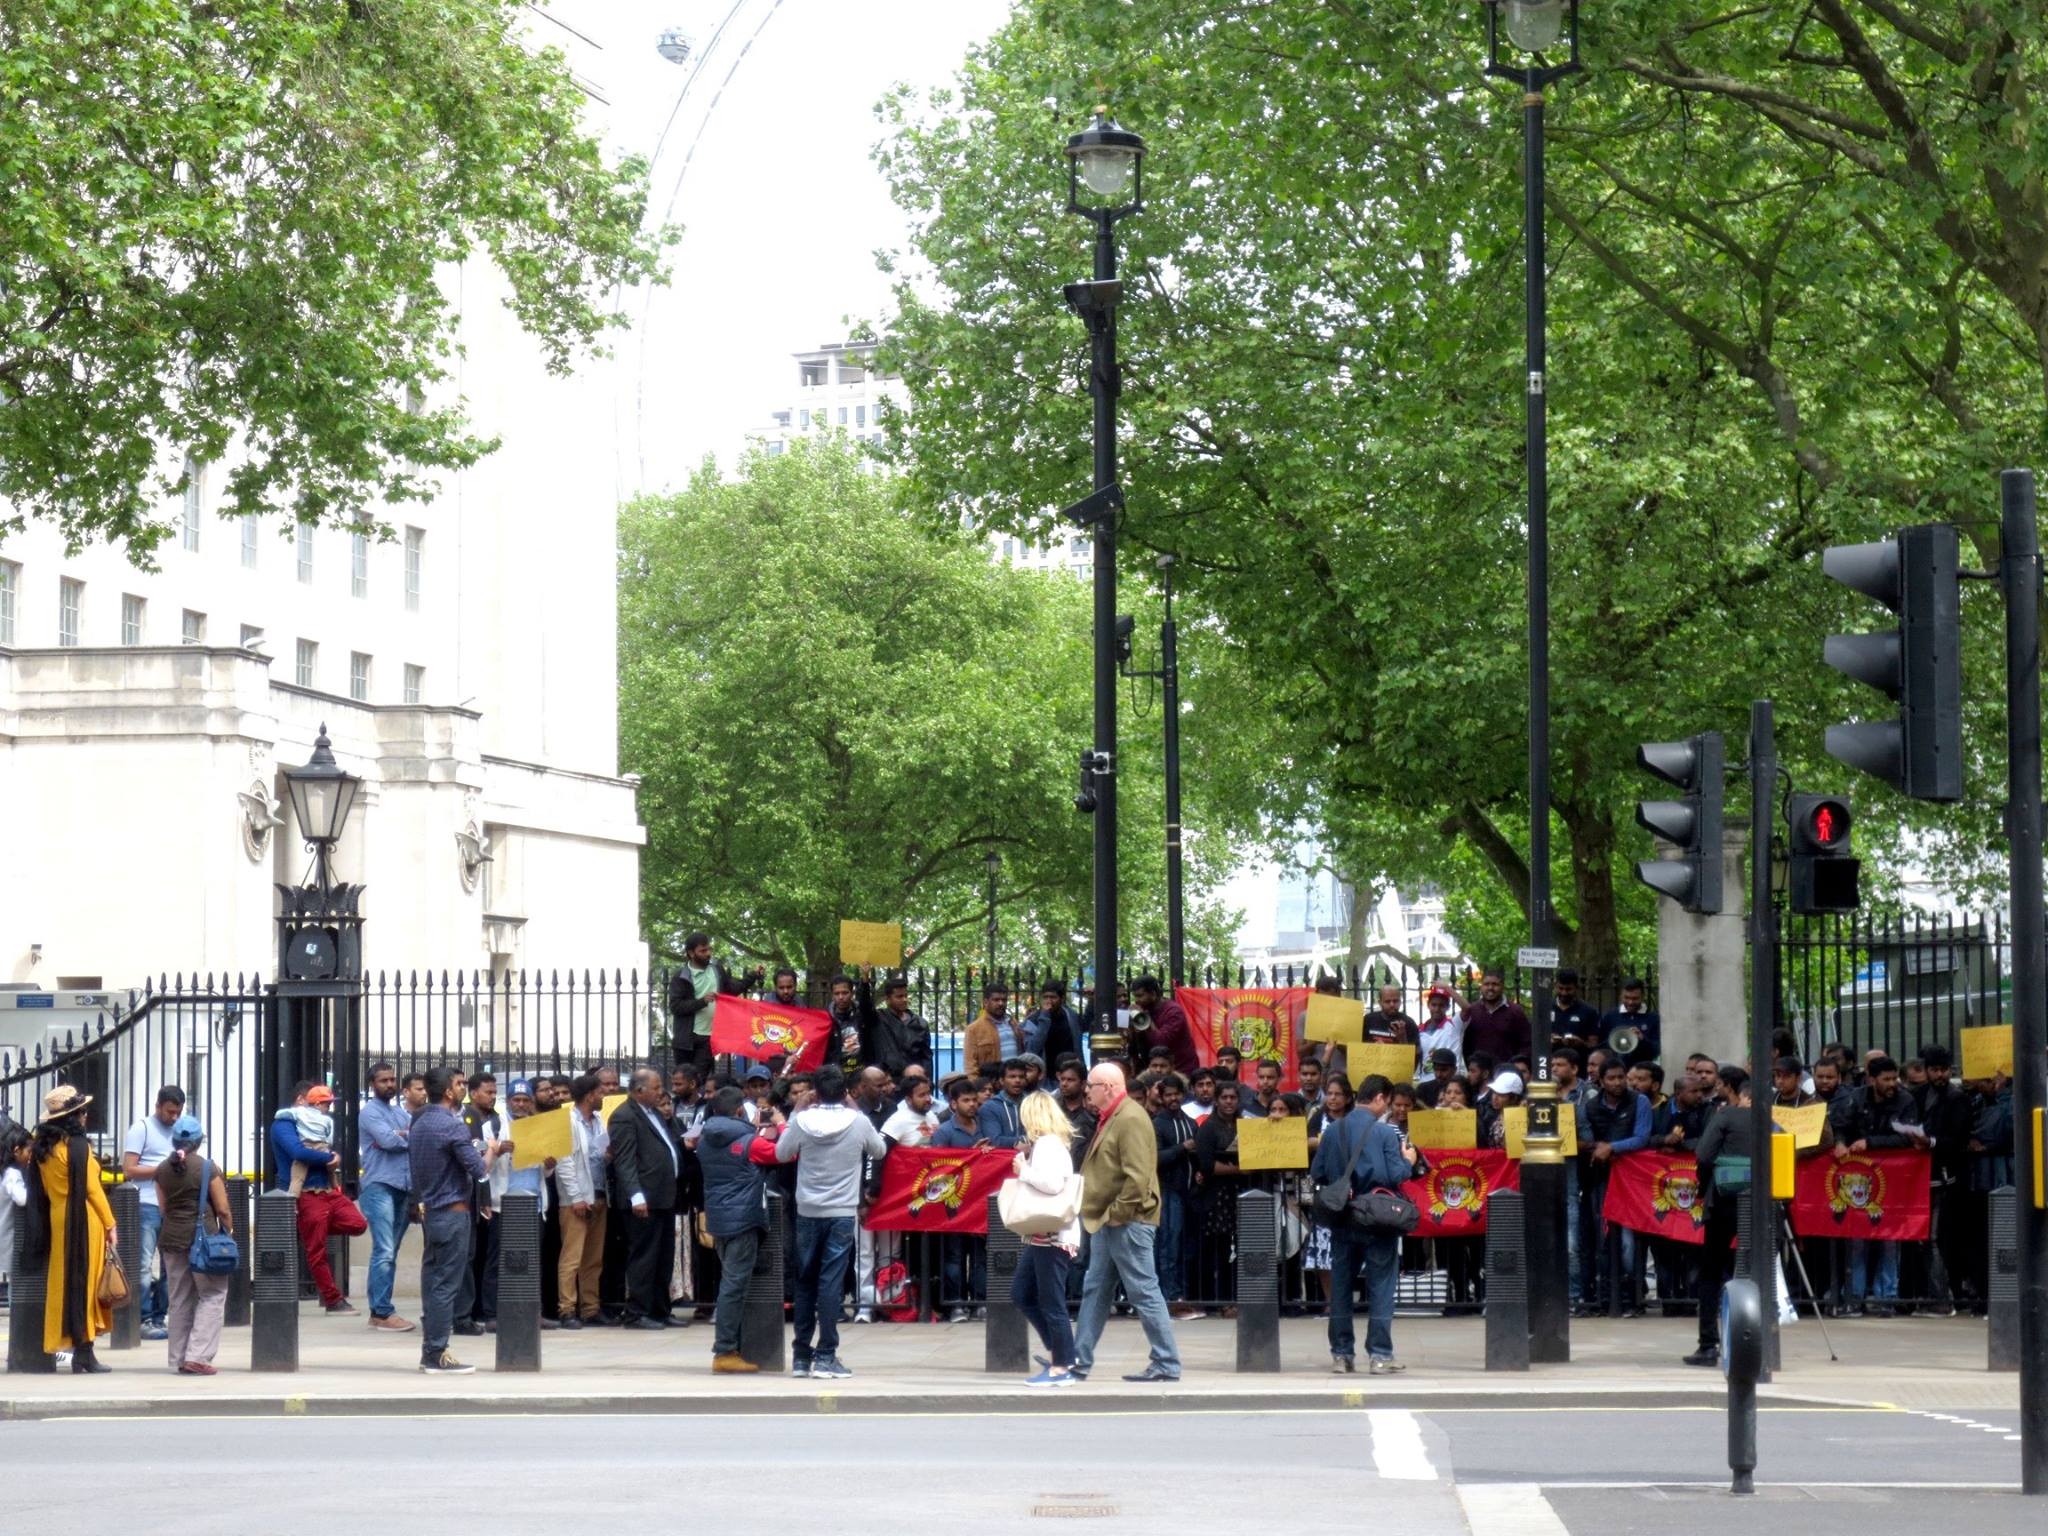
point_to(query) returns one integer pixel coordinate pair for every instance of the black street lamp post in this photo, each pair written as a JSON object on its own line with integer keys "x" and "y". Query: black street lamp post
{"x": 1104, "y": 184}
{"x": 1169, "y": 689}
{"x": 1536, "y": 29}
{"x": 319, "y": 952}
{"x": 994, "y": 861}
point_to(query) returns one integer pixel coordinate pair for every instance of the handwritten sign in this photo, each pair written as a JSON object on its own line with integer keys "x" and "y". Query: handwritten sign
{"x": 536, "y": 1138}
{"x": 1340, "y": 1020}
{"x": 1396, "y": 1063}
{"x": 1987, "y": 1052}
{"x": 871, "y": 943}
{"x": 1803, "y": 1124}
{"x": 1451, "y": 1130}
{"x": 1272, "y": 1143}
{"x": 1518, "y": 1129}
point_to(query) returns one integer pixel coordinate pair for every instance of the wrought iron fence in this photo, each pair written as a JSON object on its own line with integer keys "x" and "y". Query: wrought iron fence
{"x": 1892, "y": 984}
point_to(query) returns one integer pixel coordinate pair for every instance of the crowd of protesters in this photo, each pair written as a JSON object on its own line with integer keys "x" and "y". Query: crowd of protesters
{"x": 657, "y": 1215}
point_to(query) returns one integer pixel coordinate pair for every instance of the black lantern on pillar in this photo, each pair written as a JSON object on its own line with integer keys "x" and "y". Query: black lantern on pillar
{"x": 320, "y": 925}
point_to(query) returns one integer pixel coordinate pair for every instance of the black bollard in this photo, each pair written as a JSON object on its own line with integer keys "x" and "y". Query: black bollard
{"x": 1507, "y": 1283}
{"x": 1745, "y": 1270}
{"x": 518, "y": 1224}
{"x": 237, "y": 1312}
{"x": 27, "y": 1286}
{"x": 2002, "y": 1290}
{"x": 274, "y": 1284}
{"x": 126, "y": 1200}
{"x": 1742, "y": 1354}
{"x": 1007, "y": 1337}
{"x": 1258, "y": 1281}
{"x": 762, "y": 1341}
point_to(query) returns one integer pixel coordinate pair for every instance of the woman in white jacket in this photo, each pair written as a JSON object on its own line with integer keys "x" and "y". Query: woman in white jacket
{"x": 1040, "y": 1290}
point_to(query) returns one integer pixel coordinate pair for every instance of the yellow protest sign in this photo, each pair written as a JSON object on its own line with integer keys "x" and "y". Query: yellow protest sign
{"x": 1987, "y": 1052}
{"x": 1337, "y": 1019}
{"x": 537, "y": 1138}
{"x": 870, "y": 943}
{"x": 1272, "y": 1143}
{"x": 1518, "y": 1128}
{"x": 1452, "y": 1130}
{"x": 1396, "y": 1063}
{"x": 611, "y": 1102}
{"x": 1803, "y": 1124}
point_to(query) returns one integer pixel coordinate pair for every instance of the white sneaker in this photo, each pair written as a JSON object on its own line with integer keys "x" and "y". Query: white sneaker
{"x": 864, "y": 1315}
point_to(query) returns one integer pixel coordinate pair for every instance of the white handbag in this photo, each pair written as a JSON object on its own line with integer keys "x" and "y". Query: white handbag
{"x": 1031, "y": 1212}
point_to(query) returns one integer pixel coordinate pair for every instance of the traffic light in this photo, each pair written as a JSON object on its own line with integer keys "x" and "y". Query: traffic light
{"x": 1824, "y": 872}
{"x": 1696, "y": 766}
{"x": 1919, "y": 663}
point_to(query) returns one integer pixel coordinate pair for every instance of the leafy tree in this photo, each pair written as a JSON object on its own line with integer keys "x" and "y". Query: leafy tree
{"x": 837, "y": 714}
{"x": 227, "y": 223}
{"x": 1324, "y": 382}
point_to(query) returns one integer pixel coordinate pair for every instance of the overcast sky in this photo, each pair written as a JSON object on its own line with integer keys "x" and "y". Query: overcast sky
{"x": 783, "y": 207}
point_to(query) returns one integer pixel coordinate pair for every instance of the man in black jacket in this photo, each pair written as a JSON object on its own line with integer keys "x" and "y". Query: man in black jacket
{"x": 1727, "y": 1141}
{"x": 1878, "y": 1117}
{"x": 1051, "y": 1032}
{"x": 696, "y": 982}
{"x": 1175, "y": 1133}
{"x": 1947, "y": 1116}
{"x": 646, "y": 1168}
{"x": 899, "y": 1038}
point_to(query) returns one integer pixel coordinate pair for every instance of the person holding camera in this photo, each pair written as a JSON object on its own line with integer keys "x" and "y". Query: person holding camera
{"x": 1364, "y": 1147}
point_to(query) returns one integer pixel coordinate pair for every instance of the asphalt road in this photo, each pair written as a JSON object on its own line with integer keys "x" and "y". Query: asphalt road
{"x": 1549, "y": 1472}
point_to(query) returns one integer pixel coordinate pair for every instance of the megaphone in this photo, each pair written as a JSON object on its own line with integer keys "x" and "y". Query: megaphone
{"x": 1624, "y": 1040}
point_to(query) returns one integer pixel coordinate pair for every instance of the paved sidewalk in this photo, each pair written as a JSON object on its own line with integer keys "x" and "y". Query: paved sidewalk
{"x": 1929, "y": 1364}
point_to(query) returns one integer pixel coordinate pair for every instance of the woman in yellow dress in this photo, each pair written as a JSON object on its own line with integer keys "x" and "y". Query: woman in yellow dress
{"x": 71, "y": 1226}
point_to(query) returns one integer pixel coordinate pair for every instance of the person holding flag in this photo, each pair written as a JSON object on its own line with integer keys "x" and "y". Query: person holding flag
{"x": 696, "y": 982}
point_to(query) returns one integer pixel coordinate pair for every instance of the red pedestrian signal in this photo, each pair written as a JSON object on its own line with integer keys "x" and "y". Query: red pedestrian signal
{"x": 1824, "y": 874}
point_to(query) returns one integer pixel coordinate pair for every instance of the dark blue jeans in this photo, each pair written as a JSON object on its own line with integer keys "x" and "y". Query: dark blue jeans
{"x": 824, "y": 1245}
{"x": 443, "y": 1264}
{"x": 1380, "y": 1254}
{"x": 963, "y": 1273}
{"x": 1168, "y": 1251}
{"x": 1040, "y": 1292}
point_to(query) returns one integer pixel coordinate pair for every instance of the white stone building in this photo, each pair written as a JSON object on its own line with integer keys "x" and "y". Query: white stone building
{"x": 466, "y": 670}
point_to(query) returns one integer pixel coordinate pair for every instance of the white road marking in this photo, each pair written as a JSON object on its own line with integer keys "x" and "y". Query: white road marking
{"x": 1397, "y": 1448}
{"x": 1509, "y": 1509}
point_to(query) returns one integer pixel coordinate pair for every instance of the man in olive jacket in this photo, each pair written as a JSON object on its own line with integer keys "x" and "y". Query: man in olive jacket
{"x": 1120, "y": 1209}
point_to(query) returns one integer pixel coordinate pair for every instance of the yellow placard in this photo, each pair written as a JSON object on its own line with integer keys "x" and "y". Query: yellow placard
{"x": 1518, "y": 1128}
{"x": 1784, "y": 1166}
{"x": 611, "y": 1102}
{"x": 1987, "y": 1052}
{"x": 536, "y": 1138}
{"x": 1272, "y": 1143}
{"x": 1451, "y": 1130}
{"x": 1803, "y": 1124}
{"x": 870, "y": 943}
{"x": 1396, "y": 1063}
{"x": 1340, "y": 1020}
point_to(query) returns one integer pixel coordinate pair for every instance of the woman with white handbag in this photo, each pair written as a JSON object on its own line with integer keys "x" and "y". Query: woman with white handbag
{"x": 1042, "y": 1205}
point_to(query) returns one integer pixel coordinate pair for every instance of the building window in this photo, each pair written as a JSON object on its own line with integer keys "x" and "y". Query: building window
{"x": 860, "y": 415}
{"x": 195, "y": 495}
{"x": 851, "y": 372}
{"x": 249, "y": 541}
{"x": 70, "y": 599}
{"x": 359, "y": 677}
{"x": 131, "y": 620}
{"x": 10, "y": 584}
{"x": 415, "y": 558}
{"x": 803, "y": 420}
{"x": 252, "y": 637}
{"x": 415, "y": 683}
{"x": 308, "y": 660}
{"x": 192, "y": 628}
{"x": 842, "y": 415}
{"x": 775, "y": 447}
{"x": 359, "y": 565}
{"x": 811, "y": 375}
{"x": 306, "y": 553}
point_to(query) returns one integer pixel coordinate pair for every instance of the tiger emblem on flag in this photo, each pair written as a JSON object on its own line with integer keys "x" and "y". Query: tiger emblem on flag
{"x": 1854, "y": 1184}
{"x": 776, "y": 1034}
{"x": 943, "y": 1184}
{"x": 1252, "y": 1024}
{"x": 1676, "y": 1192}
{"x": 1456, "y": 1188}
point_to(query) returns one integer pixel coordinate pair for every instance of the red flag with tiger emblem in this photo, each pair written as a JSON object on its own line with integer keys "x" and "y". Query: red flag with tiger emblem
{"x": 765, "y": 1030}
{"x": 1658, "y": 1193}
{"x": 1881, "y": 1196}
{"x": 938, "y": 1189}
{"x": 1452, "y": 1195}
{"x": 1257, "y": 1021}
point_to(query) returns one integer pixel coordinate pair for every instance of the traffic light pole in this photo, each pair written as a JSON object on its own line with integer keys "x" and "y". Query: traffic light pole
{"x": 1760, "y": 1234}
{"x": 2019, "y": 575}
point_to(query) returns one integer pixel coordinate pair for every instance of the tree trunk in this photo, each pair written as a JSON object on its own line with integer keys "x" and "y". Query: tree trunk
{"x": 1596, "y": 946}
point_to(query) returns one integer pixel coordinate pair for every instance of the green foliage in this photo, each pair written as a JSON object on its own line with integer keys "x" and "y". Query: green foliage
{"x": 837, "y": 714}
{"x": 1768, "y": 333}
{"x": 228, "y": 223}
